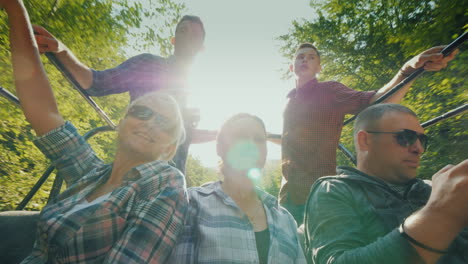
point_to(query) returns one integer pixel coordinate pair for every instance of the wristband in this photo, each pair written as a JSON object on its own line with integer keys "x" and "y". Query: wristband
{"x": 401, "y": 229}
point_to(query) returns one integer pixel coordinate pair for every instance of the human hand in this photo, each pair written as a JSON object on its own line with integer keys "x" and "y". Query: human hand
{"x": 46, "y": 41}
{"x": 430, "y": 60}
{"x": 449, "y": 196}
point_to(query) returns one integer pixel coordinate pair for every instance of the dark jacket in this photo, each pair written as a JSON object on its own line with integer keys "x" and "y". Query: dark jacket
{"x": 354, "y": 218}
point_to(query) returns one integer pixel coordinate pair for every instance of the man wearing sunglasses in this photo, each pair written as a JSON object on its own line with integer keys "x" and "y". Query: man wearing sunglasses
{"x": 380, "y": 212}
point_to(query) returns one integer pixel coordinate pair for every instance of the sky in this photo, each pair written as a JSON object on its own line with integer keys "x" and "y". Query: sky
{"x": 241, "y": 67}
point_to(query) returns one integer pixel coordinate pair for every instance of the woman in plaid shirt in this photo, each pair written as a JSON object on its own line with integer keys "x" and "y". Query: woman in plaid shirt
{"x": 130, "y": 211}
{"x": 233, "y": 221}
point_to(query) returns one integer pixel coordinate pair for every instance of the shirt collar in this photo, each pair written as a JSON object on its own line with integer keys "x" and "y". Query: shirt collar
{"x": 351, "y": 172}
{"x": 215, "y": 188}
{"x": 144, "y": 169}
{"x": 307, "y": 85}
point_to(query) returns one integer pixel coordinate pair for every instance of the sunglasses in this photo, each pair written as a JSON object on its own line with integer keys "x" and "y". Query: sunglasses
{"x": 146, "y": 113}
{"x": 406, "y": 137}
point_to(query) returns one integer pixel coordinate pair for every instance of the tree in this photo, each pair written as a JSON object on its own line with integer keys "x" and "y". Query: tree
{"x": 197, "y": 174}
{"x": 98, "y": 32}
{"x": 363, "y": 44}
{"x": 271, "y": 180}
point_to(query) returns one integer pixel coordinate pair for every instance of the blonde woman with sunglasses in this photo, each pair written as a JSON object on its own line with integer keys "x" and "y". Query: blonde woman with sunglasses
{"x": 129, "y": 211}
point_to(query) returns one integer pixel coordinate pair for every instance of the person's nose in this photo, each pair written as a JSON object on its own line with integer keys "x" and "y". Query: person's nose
{"x": 151, "y": 124}
{"x": 417, "y": 147}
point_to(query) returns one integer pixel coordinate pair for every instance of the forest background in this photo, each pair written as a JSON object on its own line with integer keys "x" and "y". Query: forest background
{"x": 361, "y": 44}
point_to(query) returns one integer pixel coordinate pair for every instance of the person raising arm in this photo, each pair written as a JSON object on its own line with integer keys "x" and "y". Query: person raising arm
{"x": 129, "y": 211}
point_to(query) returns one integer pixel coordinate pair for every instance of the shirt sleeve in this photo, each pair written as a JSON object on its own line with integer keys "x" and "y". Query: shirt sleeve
{"x": 185, "y": 249}
{"x": 152, "y": 229}
{"x": 300, "y": 258}
{"x": 38, "y": 255}
{"x": 336, "y": 232}
{"x": 135, "y": 75}
{"x": 72, "y": 156}
{"x": 351, "y": 100}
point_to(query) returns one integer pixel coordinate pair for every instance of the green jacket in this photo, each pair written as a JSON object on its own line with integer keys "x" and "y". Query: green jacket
{"x": 354, "y": 218}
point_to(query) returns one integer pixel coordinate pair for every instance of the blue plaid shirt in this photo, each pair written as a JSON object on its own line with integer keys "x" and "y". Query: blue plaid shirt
{"x": 217, "y": 231}
{"x": 139, "y": 75}
{"x": 138, "y": 223}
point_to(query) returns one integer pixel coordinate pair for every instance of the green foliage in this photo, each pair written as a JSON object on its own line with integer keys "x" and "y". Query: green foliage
{"x": 98, "y": 32}
{"x": 197, "y": 174}
{"x": 363, "y": 44}
{"x": 271, "y": 180}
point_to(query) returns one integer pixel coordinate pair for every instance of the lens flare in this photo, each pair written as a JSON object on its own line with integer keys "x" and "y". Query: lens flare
{"x": 243, "y": 155}
{"x": 255, "y": 174}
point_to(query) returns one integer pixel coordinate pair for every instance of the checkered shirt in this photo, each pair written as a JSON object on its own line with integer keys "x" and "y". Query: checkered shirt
{"x": 139, "y": 75}
{"x": 313, "y": 120}
{"x": 138, "y": 223}
{"x": 217, "y": 231}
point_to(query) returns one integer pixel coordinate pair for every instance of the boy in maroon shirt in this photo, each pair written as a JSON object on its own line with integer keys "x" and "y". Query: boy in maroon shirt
{"x": 314, "y": 115}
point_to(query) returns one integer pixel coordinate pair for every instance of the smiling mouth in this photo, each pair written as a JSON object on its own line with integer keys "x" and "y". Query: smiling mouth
{"x": 145, "y": 136}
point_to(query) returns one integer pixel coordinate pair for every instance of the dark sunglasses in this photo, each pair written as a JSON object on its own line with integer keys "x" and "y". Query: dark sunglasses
{"x": 406, "y": 137}
{"x": 146, "y": 113}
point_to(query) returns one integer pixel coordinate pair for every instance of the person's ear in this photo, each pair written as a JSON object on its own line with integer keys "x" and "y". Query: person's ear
{"x": 363, "y": 141}
{"x": 291, "y": 68}
{"x": 173, "y": 41}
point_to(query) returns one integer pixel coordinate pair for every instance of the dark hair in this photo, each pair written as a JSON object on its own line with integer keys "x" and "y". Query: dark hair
{"x": 307, "y": 45}
{"x": 369, "y": 117}
{"x": 224, "y": 128}
{"x": 193, "y": 19}
{"x": 220, "y": 147}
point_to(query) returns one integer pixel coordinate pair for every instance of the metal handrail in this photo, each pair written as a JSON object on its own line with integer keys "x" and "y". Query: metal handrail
{"x": 446, "y": 51}
{"x": 57, "y": 185}
{"x": 58, "y": 180}
{"x": 52, "y": 58}
{"x": 11, "y": 97}
{"x": 451, "y": 113}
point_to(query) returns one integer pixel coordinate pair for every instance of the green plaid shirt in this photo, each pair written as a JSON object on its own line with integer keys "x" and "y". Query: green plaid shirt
{"x": 138, "y": 223}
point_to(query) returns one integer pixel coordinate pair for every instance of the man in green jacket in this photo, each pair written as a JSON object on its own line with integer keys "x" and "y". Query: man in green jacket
{"x": 358, "y": 216}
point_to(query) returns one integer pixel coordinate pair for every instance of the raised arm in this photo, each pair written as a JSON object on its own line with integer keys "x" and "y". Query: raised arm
{"x": 444, "y": 216}
{"x": 32, "y": 86}
{"x": 274, "y": 138}
{"x": 200, "y": 136}
{"x": 431, "y": 60}
{"x": 48, "y": 43}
